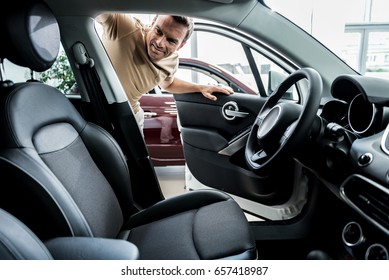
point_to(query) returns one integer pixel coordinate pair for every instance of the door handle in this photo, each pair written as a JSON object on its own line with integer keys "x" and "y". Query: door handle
{"x": 149, "y": 114}
{"x": 231, "y": 111}
{"x": 237, "y": 114}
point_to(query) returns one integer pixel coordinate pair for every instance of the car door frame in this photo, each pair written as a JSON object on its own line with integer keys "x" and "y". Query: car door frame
{"x": 262, "y": 206}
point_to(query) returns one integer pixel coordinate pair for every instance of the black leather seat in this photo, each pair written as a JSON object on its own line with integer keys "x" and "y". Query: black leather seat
{"x": 68, "y": 177}
{"x": 18, "y": 242}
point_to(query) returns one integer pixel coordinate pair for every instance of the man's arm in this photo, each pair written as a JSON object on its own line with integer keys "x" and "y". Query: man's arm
{"x": 175, "y": 85}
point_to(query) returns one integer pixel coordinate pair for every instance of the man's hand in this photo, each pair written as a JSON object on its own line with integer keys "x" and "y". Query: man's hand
{"x": 175, "y": 85}
{"x": 208, "y": 90}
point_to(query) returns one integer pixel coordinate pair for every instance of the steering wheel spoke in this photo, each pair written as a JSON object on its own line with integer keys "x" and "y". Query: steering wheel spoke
{"x": 259, "y": 157}
{"x": 288, "y": 132}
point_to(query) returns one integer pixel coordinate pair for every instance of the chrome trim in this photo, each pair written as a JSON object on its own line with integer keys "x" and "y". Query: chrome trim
{"x": 360, "y": 239}
{"x": 369, "y": 155}
{"x": 229, "y": 107}
{"x": 373, "y": 246}
{"x": 383, "y": 140}
{"x": 236, "y": 144}
{"x": 238, "y": 114}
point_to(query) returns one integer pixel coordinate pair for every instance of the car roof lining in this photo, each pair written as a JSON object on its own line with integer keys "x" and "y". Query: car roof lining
{"x": 196, "y": 8}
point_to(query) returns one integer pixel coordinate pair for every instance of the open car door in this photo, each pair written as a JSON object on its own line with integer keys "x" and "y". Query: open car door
{"x": 214, "y": 136}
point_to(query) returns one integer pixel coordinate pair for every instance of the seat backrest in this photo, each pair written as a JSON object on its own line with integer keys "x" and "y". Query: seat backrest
{"x": 59, "y": 183}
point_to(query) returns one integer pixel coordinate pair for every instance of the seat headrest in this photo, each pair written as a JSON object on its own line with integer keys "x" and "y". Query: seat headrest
{"x": 30, "y": 36}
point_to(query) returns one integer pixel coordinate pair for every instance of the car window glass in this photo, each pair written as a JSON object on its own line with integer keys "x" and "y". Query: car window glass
{"x": 360, "y": 37}
{"x": 16, "y": 73}
{"x": 234, "y": 61}
{"x": 272, "y": 75}
{"x": 196, "y": 76}
{"x": 193, "y": 75}
{"x": 223, "y": 52}
{"x": 60, "y": 75}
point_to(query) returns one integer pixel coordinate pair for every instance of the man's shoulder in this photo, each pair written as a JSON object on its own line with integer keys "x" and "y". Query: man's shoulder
{"x": 121, "y": 19}
{"x": 139, "y": 24}
{"x": 119, "y": 25}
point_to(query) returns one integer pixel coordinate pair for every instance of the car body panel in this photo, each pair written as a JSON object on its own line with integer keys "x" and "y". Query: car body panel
{"x": 161, "y": 130}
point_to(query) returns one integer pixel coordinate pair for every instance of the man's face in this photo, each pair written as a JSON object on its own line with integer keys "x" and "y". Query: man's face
{"x": 165, "y": 37}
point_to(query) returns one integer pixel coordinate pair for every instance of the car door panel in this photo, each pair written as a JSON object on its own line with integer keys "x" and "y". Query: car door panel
{"x": 214, "y": 145}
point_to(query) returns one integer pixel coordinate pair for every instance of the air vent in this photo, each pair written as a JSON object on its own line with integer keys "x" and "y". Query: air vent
{"x": 370, "y": 199}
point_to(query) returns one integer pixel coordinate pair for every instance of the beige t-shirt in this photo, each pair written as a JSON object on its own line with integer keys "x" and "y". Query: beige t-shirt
{"x": 124, "y": 39}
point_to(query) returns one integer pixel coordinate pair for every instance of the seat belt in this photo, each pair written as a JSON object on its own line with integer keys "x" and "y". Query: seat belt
{"x": 92, "y": 83}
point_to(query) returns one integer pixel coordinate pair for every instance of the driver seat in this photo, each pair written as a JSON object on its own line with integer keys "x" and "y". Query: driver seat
{"x": 64, "y": 176}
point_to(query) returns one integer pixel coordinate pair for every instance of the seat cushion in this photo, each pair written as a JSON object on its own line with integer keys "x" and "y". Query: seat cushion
{"x": 206, "y": 225}
{"x": 91, "y": 248}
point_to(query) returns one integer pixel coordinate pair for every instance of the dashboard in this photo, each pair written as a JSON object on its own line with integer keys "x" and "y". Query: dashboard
{"x": 355, "y": 159}
{"x": 359, "y": 105}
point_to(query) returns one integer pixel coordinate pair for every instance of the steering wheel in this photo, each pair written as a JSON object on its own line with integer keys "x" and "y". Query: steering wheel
{"x": 281, "y": 127}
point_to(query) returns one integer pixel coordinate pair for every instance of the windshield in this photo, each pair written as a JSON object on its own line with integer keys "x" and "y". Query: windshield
{"x": 356, "y": 30}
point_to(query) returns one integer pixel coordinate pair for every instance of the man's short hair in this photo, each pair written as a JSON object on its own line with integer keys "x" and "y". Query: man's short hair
{"x": 187, "y": 22}
{"x": 184, "y": 20}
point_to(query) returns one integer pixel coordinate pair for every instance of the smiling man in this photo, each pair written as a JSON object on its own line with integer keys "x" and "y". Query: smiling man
{"x": 146, "y": 56}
